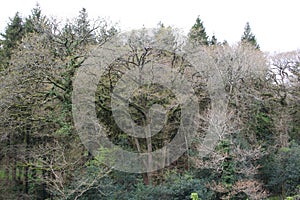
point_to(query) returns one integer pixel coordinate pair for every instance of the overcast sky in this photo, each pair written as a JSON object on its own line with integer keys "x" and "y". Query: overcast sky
{"x": 274, "y": 22}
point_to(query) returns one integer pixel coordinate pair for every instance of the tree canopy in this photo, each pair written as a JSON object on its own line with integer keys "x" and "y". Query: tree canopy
{"x": 43, "y": 156}
{"x": 249, "y": 37}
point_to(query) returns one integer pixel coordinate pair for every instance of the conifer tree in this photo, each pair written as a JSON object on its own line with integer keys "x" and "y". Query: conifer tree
{"x": 214, "y": 40}
{"x": 83, "y": 28}
{"x": 197, "y": 34}
{"x": 249, "y": 37}
{"x": 12, "y": 35}
{"x": 35, "y": 23}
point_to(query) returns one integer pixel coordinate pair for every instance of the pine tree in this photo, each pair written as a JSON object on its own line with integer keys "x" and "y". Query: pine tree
{"x": 249, "y": 37}
{"x": 214, "y": 40}
{"x": 36, "y": 22}
{"x": 197, "y": 34}
{"x": 11, "y": 37}
{"x": 82, "y": 28}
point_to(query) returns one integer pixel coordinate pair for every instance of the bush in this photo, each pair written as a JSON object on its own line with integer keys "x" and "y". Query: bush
{"x": 282, "y": 171}
{"x": 177, "y": 187}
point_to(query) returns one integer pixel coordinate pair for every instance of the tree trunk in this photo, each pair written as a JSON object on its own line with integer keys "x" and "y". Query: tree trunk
{"x": 14, "y": 171}
{"x": 150, "y": 160}
{"x": 26, "y": 168}
{"x": 26, "y": 185}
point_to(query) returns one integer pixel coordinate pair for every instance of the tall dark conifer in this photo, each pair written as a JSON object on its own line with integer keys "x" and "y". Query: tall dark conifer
{"x": 213, "y": 40}
{"x": 11, "y": 37}
{"x": 249, "y": 37}
{"x": 197, "y": 34}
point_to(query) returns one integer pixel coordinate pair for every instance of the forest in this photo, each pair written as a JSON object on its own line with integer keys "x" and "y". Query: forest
{"x": 250, "y": 106}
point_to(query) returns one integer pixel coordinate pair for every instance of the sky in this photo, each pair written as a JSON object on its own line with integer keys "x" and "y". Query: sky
{"x": 275, "y": 23}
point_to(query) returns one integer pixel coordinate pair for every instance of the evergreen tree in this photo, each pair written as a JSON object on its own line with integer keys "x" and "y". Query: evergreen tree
{"x": 213, "y": 40}
{"x": 12, "y": 35}
{"x": 35, "y": 22}
{"x": 249, "y": 37}
{"x": 197, "y": 34}
{"x": 82, "y": 28}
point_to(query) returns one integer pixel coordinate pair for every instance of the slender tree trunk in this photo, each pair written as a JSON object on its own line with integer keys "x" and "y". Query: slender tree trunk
{"x": 19, "y": 174}
{"x": 44, "y": 192}
{"x": 7, "y": 158}
{"x": 26, "y": 185}
{"x": 150, "y": 160}
{"x": 7, "y": 170}
{"x": 14, "y": 170}
{"x": 26, "y": 168}
{"x": 149, "y": 150}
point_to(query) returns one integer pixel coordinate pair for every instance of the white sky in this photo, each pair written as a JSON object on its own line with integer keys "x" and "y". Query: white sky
{"x": 275, "y": 23}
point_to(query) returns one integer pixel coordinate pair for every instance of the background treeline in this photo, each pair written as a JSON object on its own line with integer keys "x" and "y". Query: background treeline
{"x": 42, "y": 157}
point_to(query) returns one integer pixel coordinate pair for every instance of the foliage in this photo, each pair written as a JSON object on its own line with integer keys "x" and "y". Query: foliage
{"x": 194, "y": 196}
{"x": 282, "y": 172}
{"x": 12, "y": 36}
{"x": 42, "y": 157}
{"x": 175, "y": 187}
{"x": 197, "y": 34}
{"x": 249, "y": 37}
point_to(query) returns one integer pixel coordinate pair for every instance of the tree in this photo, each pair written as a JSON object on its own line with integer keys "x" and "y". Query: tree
{"x": 284, "y": 74}
{"x": 213, "y": 40}
{"x": 282, "y": 172}
{"x": 242, "y": 71}
{"x": 249, "y": 37}
{"x": 36, "y": 124}
{"x": 12, "y": 36}
{"x": 197, "y": 34}
{"x": 165, "y": 36}
{"x": 82, "y": 26}
{"x": 42, "y": 157}
{"x": 36, "y": 22}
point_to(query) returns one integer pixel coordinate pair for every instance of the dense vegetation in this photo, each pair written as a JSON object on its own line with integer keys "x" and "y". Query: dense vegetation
{"x": 42, "y": 156}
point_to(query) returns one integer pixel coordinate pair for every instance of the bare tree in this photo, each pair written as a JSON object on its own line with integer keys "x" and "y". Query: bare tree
{"x": 239, "y": 74}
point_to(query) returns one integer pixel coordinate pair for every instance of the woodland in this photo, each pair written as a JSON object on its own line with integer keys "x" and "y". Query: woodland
{"x": 257, "y": 155}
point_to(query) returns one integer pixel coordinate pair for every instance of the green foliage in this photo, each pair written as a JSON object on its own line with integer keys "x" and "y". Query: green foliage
{"x": 35, "y": 23}
{"x": 213, "y": 40}
{"x": 83, "y": 29}
{"x": 261, "y": 124}
{"x": 197, "y": 34}
{"x": 119, "y": 185}
{"x": 228, "y": 165}
{"x": 177, "y": 187}
{"x": 36, "y": 129}
{"x": 12, "y": 36}
{"x": 249, "y": 37}
{"x": 41, "y": 156}
{"x": 281, "y": 170}
{"x": 194, "y": 196}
